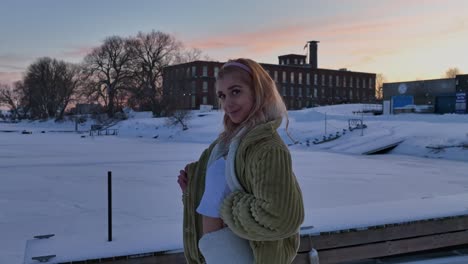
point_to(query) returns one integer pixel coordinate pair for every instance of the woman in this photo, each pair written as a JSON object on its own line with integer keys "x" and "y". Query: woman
{"x": 242, "y": 203}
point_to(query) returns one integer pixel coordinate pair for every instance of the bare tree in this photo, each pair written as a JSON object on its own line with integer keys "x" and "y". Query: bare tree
{"x": 452, "y": 72}
{"x": 189, "y": 55}
{"x": 152, "y": 52}
{"x": 9, "y": 98}
{"x": 48, "y": 87}
{"x": 179, "y": 117}
{"x": 380, "y": 79}
{"x": 72, "y": 81}
{"x": 109, "y": 72}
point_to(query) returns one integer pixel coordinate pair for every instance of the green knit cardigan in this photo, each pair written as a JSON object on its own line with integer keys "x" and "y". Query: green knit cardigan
{"x": 270, "y": 211}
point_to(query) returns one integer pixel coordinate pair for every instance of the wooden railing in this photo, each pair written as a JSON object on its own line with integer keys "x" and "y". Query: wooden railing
{"x": 349, "y": 245}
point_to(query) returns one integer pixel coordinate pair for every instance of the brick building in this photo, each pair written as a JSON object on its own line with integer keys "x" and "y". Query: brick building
{"x": 301, "y": 83}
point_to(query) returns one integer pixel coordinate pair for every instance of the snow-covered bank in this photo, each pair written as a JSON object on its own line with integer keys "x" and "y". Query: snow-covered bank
{"x": 56, "y": 182}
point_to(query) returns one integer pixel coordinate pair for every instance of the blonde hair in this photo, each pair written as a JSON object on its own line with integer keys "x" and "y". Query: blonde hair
{"x": 268, "y": 104}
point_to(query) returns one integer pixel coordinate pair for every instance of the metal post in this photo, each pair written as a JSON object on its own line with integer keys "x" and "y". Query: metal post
{"x": 109, "y": 205}
{"x": 362, "y": 123}
{"x": 325, "y": 124}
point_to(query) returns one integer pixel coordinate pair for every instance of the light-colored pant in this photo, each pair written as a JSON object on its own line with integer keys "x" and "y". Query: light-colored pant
{"x": 223, "y": 246}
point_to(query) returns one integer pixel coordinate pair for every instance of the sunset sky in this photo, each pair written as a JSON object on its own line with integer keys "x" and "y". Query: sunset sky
{"x": 403, "y": 39}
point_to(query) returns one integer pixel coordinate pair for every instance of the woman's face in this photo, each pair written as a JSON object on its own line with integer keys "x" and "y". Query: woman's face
{"x": 235, "y": 96}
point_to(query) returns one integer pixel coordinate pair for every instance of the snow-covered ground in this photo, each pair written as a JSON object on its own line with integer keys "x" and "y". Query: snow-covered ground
{"x": 55, "y": 182}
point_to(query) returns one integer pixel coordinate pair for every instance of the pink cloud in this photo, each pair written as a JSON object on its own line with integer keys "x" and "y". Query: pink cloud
{"x": 13, "y": 62}
{"x": 78, "y": 52}
{"x": 10, "y": 77}
{"x": 378, "y": 31}
{"x": 262, "y": 41}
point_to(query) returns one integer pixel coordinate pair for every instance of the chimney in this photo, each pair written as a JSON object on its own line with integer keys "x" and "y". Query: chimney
{"x": 313, "y": 53}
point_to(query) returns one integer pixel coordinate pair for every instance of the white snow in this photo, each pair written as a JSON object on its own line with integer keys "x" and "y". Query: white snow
{"x": 56, "y": 182}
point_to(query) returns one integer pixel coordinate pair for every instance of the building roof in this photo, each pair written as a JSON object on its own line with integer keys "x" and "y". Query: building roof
{"x": 292, "y": 55}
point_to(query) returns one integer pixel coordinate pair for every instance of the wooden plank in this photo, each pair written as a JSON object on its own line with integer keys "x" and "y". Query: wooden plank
{"x": 301, "y": 258}
{"x": 384, "y": 233}
{"x": 158, "y": 259}
{"x": 149, "y": 258}
{"x": 349, "y": 245}
{"x": 395, "y": 247}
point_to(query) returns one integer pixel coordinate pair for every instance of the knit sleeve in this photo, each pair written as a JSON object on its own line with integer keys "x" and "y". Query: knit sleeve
{"x": 191, "y": 171}
{"x": 274, "y": 210}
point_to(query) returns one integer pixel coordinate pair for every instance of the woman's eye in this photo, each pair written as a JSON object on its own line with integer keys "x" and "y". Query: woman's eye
{"x": 221, "y": 96}
{"x": 235, "y": 91}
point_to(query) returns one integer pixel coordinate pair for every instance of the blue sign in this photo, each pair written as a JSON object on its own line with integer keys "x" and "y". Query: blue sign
{"x": 402, "y": 100}
{"x": 460, "y": 103}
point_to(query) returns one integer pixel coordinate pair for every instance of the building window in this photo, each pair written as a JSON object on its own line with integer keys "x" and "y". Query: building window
{"x": 308, "y": 78}
{"x": 205, "y": 71}
{"x": 299, "y": 78}
{"x": 194, "y": 101}
{"x": 351, "y": 94}
{"x": 205, "y": 100}
{"x": 323, "y": 79}
{"x": 287, "y": 61}
{"x": 276, "y": 76}
{"x": 364, "y": 83}
{"x": 308, "y": 91}
{"x": 315, "y": 92}
{"x": 351, "y": 82}
{"x": 194, "y": 87}
{"x": 283, "y": 91}
{"x": 284, "y": 77}
{"x": 344, "y": 81}
{"x": 299, "y": 92}
{"x": 216, "y": 70}
{"x": 188, "y": 72}
{"x": 292, "y": 77}
{"x": 205, "y": 86}
{"x": 291, "y": 103}
{"x": 322, "y": 95}
{"x": 295, "y": 61}
{"x": 358, "y": 82}
{"x": 299, "y": 104}
{"x": 338, "y": 81}
{"x": 291, "y": 91}
{"x": 194, "y": 71}
{"x": 330, "y": 80}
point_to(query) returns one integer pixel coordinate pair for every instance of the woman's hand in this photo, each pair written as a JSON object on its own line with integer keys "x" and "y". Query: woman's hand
{"x": 182, "y": 179}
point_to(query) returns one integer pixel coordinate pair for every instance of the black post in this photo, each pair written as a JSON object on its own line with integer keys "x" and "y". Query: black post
{"x": 109, "y": 204}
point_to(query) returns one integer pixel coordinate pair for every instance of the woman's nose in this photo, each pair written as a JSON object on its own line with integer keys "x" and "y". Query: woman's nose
{"x": 228, "y": 101}
{"x": 228, "y": 106}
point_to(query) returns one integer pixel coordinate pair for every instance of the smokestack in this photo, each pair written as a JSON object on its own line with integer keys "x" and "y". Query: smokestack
{"x": 313, "y": 53}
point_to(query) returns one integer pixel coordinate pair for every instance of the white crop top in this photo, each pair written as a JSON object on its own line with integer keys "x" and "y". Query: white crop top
{"x": 216, "y": 189}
